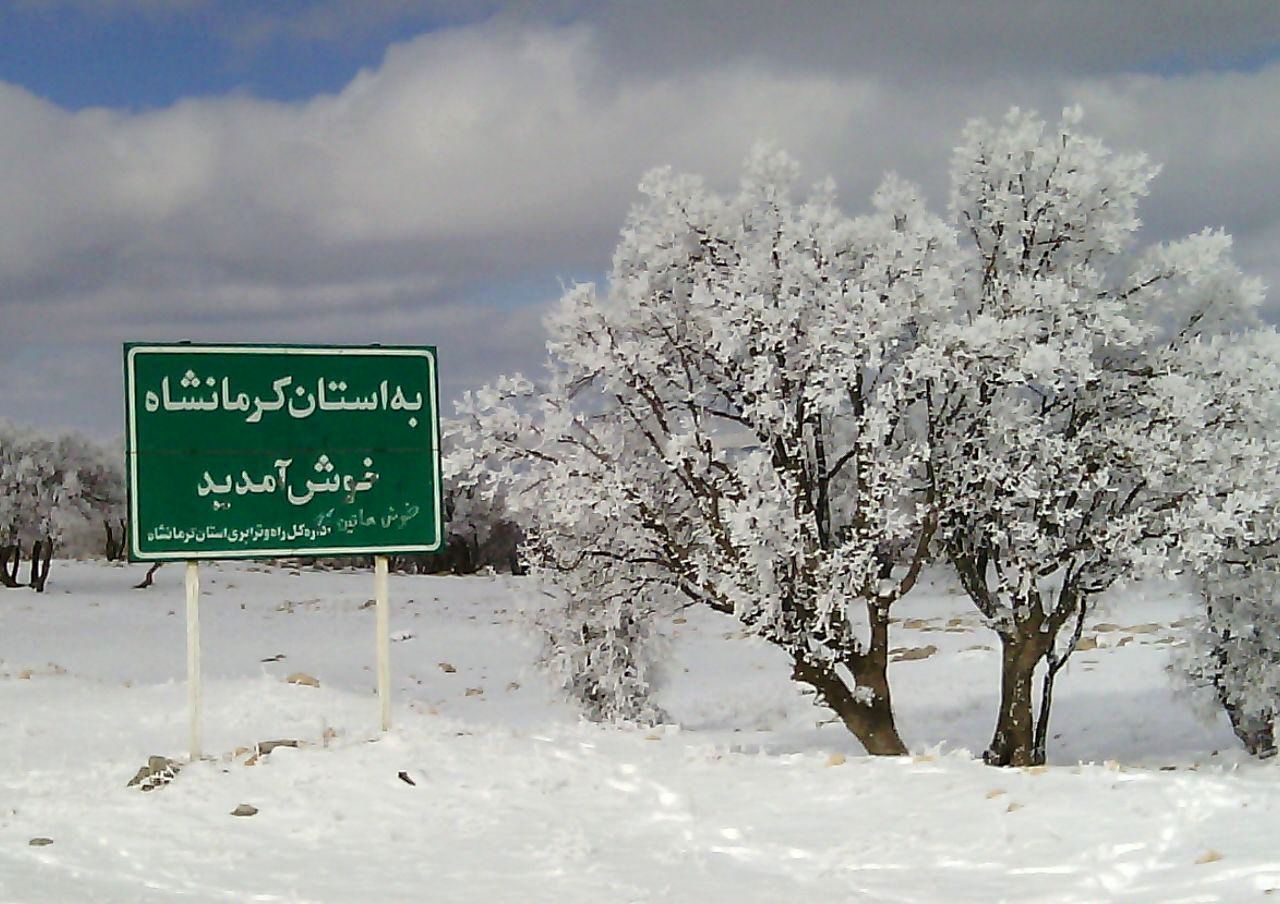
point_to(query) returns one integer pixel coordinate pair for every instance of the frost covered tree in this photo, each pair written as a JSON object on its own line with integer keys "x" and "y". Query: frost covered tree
{"x": 1232, "y": 541}
{"x": 27, "y": 499}
{"x": 48, "y": 482}
{"x": 774, "y": 410}
{"x": 1235, "y": 649}
{"x": 737, "y": 422}
{"x": 479, "y": 531}
{"x": 1094, "y": 387}
{"x": 102, "y": 486}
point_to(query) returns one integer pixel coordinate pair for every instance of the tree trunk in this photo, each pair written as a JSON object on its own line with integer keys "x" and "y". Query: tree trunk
{"x": 1256, "y": 732}
{"x": 151, "y": 573}
{"x": 41, "y": 556}
{"x": 116, "y": 544}
{"x": 10, "y": 558}
{"x": 109, "y": 548}
{"x": 1014, "y": 740}
{"x": 866, "y": 710}
{"x": 1046, "y": 706}
{"x": 868, "y": 717}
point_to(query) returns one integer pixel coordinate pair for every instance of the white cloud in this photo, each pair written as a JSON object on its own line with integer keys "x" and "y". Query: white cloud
{"x": 477, "y": 167}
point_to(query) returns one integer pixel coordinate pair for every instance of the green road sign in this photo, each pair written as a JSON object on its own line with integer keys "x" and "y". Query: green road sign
{"x": 241, "y": 451}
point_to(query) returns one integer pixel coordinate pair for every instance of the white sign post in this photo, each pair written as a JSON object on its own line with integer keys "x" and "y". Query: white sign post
{"x": 193, "y": 655}
{"x": 383, "y": 638}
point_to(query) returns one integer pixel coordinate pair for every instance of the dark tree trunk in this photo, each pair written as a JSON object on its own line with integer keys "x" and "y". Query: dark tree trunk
{"x": 117, "y": 537}
{"x": 871, "y": 722}
{"x": 108, "y": 548}
{"x": 1028, "y": 629}
{"x": 10, "y": 559}
{"x": 41, "y": 556}
{"x": 151, "y": 573}
{"x": 1041, "y": 740}
{"x": 1054, "y": 661}
{"x": 1014, "y": 740}
{"x": 868, "y": 713}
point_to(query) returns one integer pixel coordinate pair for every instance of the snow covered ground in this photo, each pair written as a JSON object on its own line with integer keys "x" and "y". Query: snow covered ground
{"x": 754, "y": 797}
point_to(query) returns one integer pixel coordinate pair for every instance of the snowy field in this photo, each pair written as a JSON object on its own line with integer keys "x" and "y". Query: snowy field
{"x": 753, "y": 797}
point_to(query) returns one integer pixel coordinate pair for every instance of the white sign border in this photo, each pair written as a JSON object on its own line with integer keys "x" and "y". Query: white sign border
{"x": 131, "y": 449}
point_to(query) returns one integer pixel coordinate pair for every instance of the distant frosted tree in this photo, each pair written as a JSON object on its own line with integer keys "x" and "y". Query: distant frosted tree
{"x": 1235, "y": 649}
{"x": 102, "y": 492}
{"x": 736, "y": 422}
{"x": 480, "y": 532}
{"x": 48, "y": 482}
{"x": 1232, "y": 538}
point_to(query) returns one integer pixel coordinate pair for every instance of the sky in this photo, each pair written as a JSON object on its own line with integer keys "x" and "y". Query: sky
{"x": 437, "y": 172}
